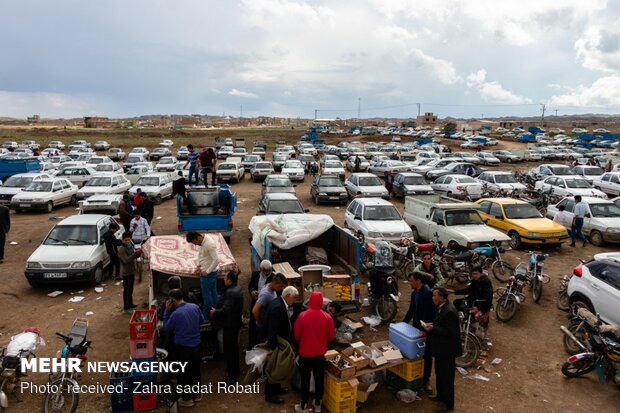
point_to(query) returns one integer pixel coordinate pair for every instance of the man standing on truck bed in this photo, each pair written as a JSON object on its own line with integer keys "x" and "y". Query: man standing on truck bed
{"x": 208, "y": 262}
{"x": 207, "y": 162}
{"x": 194, "y": 163}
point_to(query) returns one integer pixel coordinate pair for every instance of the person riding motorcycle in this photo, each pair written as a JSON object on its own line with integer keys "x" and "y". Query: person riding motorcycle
{"x": 479, "y": 295}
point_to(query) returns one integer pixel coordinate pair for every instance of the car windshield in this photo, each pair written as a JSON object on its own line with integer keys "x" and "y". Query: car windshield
{"x": 381, "y": 213}
{"x": 370, "y": 181}
{"x": 227, "y": 167}
{"x": 463, "y": 218}
{"x": 577, "y": 183}
{"x": 262, "y": 165}
{"x": 72, "y": 235}
{"x": 160, "y": 150}
{"x": 407, "y": 158}
{"x": 105, "y": 167}
{"x": 166, "y": 160}
{"x": 505, "y": 179}
{"x": 292, "y": 164}
{"x": 396, "y": 163}
{"x": 415, "y": 180}
{"x": 610, "y": 210}
{"x": 517, "y": 211}
{"x": 18, "y": 181}
{"x": 133, "y": 159}
{"x": 279, "y": 182}
{"x": 330, "y": 182}
{"x": 39, "y": 187}
{"x": 280, "y": 157}
{"x": 99, "y": 181}
{"x": 148, "y": 181}
{"x": 333, "y": 165}
{"x": 560, "y": 170}
{"x": 593, "y": 171}
{"x": 135, "y": 171}
{"x": 285, "y": 207}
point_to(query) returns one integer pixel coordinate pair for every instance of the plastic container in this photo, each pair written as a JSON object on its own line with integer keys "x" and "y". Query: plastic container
{"x": 345, "y": 406}
{"x": 121, "y": 403}
{"x": 144, "y": 401}
{"x": 142, "y": 324}
{"x": 409, "y": 370}
{"x": 398, "y": 383}
{"x": 142, "y": 349}
{"x": 339, "y": 390}
{"x": 124, "y": 380}
{"x": 408, "y": 340}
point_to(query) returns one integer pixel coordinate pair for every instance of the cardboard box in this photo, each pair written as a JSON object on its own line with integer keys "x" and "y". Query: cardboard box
{"x": 364, "y": 390}
{"x": 356, "y": 358}
{"x": 393, "y": 355}
{"x": 338, "y": 287}
{"x": 284, "y": 268}
{"x": 375, "y": 356}
{"x": 340, "y": 372}
{"x": 310, "y": 278}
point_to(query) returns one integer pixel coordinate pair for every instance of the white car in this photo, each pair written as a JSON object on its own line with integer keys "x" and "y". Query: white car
{"x": 376, "y": 219}
{"x": 462, "y": 157}
{"x": 47, "y": 152}
{"x": 532, "y": 156}
{"x": 156, "y": 185}
{"x": 72, "y": 251}
{"x": 260, "y": 170}
{"x": 568, "y": 186}
{"x": 16, "y": 183}
{"x": 294, "y": 170}
{"x": 259, "y": 151}
{"x": 104, "y": 184}
{"x": 603, "y": 225}
{"x": 333, "y": 168}
{"x": 93, "y": 161}
{"x": 78, "y": 175}
{"x": 116, "y": 154}
{"x": 434, "y": 164}
{"x": 111, "y": 168}
{"x": 57, "y": 145}
{"x": 595, "y": 285}
{"x": 239, "y": 152}
{"x": 458, "y": 185}
{"x": 45, "y": 194}
{"x": 471, "y": 144}
{"x": 249, "y": 161}
{"x": 132, "y": 159}
{"x": 600, "y": 130}
{"x": 487, "y": 158}
{"x": 101, "y": 146}
{"x": 491, "y": 142}
{"x": 363, "y": 166}
{"x": 545, "y": 170}
{"x": 579, "y": 131}
{"x": 141, "y": 151}
{"x": 166, "y": 164}
{"x": 79, "y": 143}
{"x": 32, "y": 145}
{"x": 182, "y": 152}
{"x": 224, "y": 152}
{"x": 501, "y": 181}
{"x": 589, "y": 173}
{"x": 390, "y": 166}
{"x": 608, "y": 183}
{"x": 366, "y": 185}
{"x": 166, "y": 142}
{"x": 425, "y": 154}
{"x": 134, "y": 173}
{"x": 230, "y": 170}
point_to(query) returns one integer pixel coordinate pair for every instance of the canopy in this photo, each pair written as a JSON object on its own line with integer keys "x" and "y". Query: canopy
{"x": 287, "y": 230}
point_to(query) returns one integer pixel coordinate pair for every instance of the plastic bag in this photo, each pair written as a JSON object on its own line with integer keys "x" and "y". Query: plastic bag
{"x": 256, "y": 358}
{"x": 343, "y": 337}
{"x": 372, "y": 321}
{"x": 407, "y": 396}
{"x": 27, "y": 340}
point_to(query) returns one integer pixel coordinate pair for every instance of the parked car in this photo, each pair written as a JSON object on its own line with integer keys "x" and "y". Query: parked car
{"x": 116, "y": 154}
{"x": 56, "y": 144}
{"x": 159, "y": 153}
{"x": 104, "y": 184}
{"x": 79, "y": 143}
{"x": 568, "y": 186}
{"x": 390, "y": 166}
{"x": 112, "y": 168}
{"x": 16, "y": 183}
{"x": 135, "y": 173}
{"x": 260, "y": 151}
{"x": 596, "y": 285}
{"x": 277, "y": 183}
{"x": 333, "y": 168}
{"x": 589, "y": 173}
{"x": 363, "y": 166}
{"x": 278, "y": 161}
{"x": 521, "y": 222}
{"x": 140, "y": 150}
{"x": 166, "y": 164}
{"x": 72, "y": 251}
{"x": 93, "y": 161}
{"x": 49, "y": 152}
{"x": 78, "y": 175}
{"x": 487, "y": 158}
{"x": 157, "y": 186}
{"x": 249, "y": 161}
{"x": 507, "y": 156}
{"x": 294, "y": 170}
{"x": 545, "y": 170}
{"x": 604, "y": 224}
{"x": 224, "y": 152}
{"x": 501, "y": 181}
{"x": 230, "y": 170}
{"x": 365, "y": 184}
{"x": 458, "y": 186}
{"x": 260, "y": 170}
{"x": 279, "y": 203}
{"x": 376, "y": 219}
{"x": 328, "y": 189}
{"x": 45, "y": 194}
{"x": 461, "y": 157}
{"x": 455, "y": 168}
{"x": 101, "y": 146}
{"x": 410, "y": 183}
{"x": 182, "y": 152}
{"x": 609, "y": 183}
{"x": 167, "y": 143}
{"x": 132, "y": 160}
{"x": 30, "y": 144}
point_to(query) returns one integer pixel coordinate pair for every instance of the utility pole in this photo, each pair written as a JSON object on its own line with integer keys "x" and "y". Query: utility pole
{"x": 241, "y": 111}
{"x": 418, "y": 108}
{"x": 359, "y": 108}
{"x": 315, "y": 113}
{"x": 556, "y": 112}
{"x": 544, "y": 107}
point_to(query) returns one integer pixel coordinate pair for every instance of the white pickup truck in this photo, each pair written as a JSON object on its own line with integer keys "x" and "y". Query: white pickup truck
{"x": 450, "y": 219}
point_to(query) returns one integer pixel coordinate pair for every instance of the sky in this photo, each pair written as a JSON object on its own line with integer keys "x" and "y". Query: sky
{"x": 470, "y": 58}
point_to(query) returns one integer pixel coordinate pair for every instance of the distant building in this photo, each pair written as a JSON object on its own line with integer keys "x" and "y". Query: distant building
{"x": 33, "y": 119}
{"x": 100, "y": 122}
{"x": 428, "y": 119}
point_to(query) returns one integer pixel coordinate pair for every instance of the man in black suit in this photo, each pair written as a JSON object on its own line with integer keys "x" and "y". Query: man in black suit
{"x": 5, "y": 226}
{"x": 278, "y": 324}
{"x": 227, "y": 315}
{"x": 445, "y": 333}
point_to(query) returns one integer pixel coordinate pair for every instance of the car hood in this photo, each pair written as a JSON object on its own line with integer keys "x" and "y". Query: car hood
{"x": 372, "y": 189}
{"x": 332, "y": 189}
{"x": 31, "y": 195}
{"x": 146, "y": 189}
{"x": 587, "y": 192}
{"x": 422, "y": 168}
{"x": 537, "y": 224}
{"x": 9, "y": 190}
{"x": 62, "y": 253}
{"x": 387, "y": 226}
{"x": 280, "y": 189}
{"x": 333, "y": 170}
{"x": 515, "y": 185}
{"x": 94, "y": 189}
{"x": 292, "y": 170}
{"x": 479, "y": 233}
{"x": 419, "y": 188}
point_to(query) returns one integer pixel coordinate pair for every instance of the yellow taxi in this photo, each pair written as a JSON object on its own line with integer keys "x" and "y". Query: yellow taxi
{"x": 521, "y": 221}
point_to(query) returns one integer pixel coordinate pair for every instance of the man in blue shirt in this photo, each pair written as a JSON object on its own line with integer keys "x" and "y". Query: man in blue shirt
{"x": 183, "y": 320}
{"x": 581, "y": 211}
{"x": 194, "y": 164}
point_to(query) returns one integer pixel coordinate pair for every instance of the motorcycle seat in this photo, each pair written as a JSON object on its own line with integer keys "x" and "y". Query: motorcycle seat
{"x": 465, "y": 256}
{"x": 425, "y": 247}
{"x": 611, "y": 329}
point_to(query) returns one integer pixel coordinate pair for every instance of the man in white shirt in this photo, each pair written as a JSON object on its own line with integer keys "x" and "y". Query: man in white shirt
{"x": 581, "y": 211}
{"x": 139, "y": 228}
{"x": 208, "y": 261}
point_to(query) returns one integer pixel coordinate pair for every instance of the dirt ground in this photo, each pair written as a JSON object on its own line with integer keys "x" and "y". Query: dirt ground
{"x": 527, "y": 380}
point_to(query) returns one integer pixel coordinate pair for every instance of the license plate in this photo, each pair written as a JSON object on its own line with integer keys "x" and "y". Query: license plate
{"x": 553, "y": 240}
{"x": 225, "y": 178}
{"x": 333, "y": 197}
{"x": 24, "y": 205}
{"x": 55, "y": 275}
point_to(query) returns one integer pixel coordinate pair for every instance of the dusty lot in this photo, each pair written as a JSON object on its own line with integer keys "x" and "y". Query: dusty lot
{"x": 528, "y": 379}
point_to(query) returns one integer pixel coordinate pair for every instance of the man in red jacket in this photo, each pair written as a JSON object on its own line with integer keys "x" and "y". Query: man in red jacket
{"x": 314, "y": 328}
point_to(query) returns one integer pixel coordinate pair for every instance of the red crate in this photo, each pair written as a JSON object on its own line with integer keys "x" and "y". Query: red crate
{"x": 141, "y": 349}
{"x": 144, "y": 401}
{"x": 142, "y": 324}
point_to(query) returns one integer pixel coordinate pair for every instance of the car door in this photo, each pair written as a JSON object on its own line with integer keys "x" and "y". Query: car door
{"x": 495, "y": 217}
{"x": 352, "y": 211}
{"x": 449, "y": 185}
{"x": 614, "y": 185}
{"x": 604, "y": 287}
{"x": 436, "y": 226}
{"x": 168, "y": 186}
{"x": 57, "y": 195}
{"x": 437, "y": 185}
{"x": 351, "y": 185}
{"x": 101, "y": 254}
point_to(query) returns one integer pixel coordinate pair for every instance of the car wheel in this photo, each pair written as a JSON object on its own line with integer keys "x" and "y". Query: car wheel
{"x": 97, "y": 276}
{"x": 158, "y": 200}
{"x": 50, "y": 206}
{"x": 34, "y": 284}
{"x": 596, "y": 238}
{"x": 509, "y": 160}
{"x": 515, "y": 240}
{"x": 316, "y": 200}
{"x": 73, "y": 201}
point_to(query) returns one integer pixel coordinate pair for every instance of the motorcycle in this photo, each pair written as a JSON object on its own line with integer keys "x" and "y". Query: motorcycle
{"x": 602, "y": 352}
{"x": 492, "y": 255}
{"x": 535, "y": 273}
{"x": 562, "y": 301}
{"x": 511, "y": 297}
{"x": 405, "y": 256}
{"x": 383, "y": 286}
{"x": 22, "y": 345}
{"x": 456, "y": 261}
{"x": 65, "y": 398}
{"x": 472, "y": 335}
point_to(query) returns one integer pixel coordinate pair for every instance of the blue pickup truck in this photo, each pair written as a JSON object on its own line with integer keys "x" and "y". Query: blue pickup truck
{"x": 209, "y": 209}
{"x": 10, "y": 167}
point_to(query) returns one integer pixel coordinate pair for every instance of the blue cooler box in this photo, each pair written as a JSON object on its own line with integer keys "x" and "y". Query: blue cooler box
{"x": 407, "y": 338}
